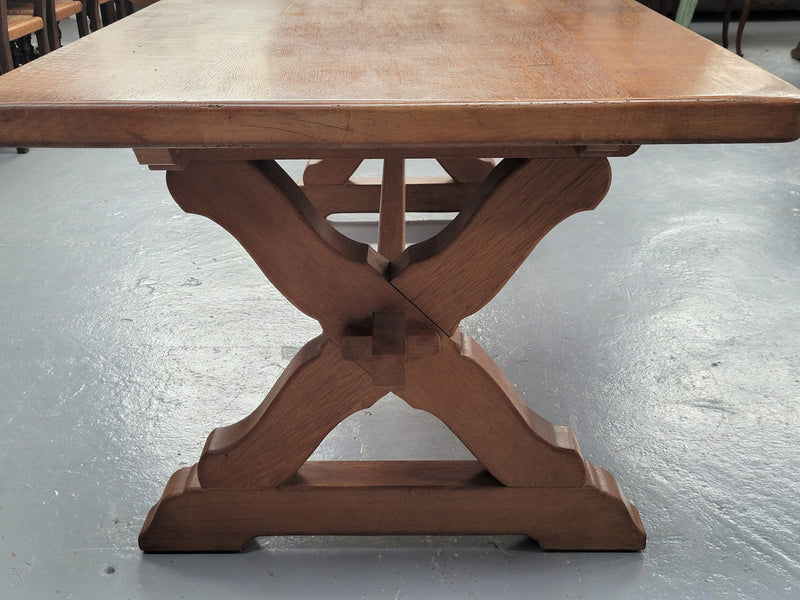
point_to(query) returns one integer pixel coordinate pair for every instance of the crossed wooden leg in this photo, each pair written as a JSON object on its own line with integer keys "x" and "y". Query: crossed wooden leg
{"x": 390, "y": 324}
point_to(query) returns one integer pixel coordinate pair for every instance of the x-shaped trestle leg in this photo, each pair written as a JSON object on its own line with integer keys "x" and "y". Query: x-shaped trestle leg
{"x": 391, "y": 326}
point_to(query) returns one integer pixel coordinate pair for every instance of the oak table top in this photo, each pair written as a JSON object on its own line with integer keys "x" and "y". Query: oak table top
{"x": 301, "y": 74}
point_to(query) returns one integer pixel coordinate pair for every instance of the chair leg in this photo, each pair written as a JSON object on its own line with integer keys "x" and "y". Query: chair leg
{"x": 6, "y": 62}
{"x": 726, "y": 19}
{"x": 108, "y": 12}
{"x": 43, "y": 42}
{"x": 17, "y": 56}
{"x": 83, "y": 23}
{"x": 796, "y": 52}
{"x": 742, "y": 21}
{"x": 93, "y": 14}
{"x": 54, "y": 35}
{"x": 28, "y": 52}
{"x": 123, "y": 8}
{"x": 685, "y": 12}
{"x": 6, "y": 59}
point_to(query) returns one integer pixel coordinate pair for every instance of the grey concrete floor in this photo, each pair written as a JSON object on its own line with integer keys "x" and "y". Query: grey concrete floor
{"x": 663, "y": 328}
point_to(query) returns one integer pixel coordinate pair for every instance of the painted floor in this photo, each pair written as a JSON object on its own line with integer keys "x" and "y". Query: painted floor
{"x": 663, "y": 328}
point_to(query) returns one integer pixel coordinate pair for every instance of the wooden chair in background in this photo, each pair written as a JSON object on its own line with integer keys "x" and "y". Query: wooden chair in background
{"x": 685, "y": 13}
{"x": 102, "y": 12}
{"x": 16, "y": 27}
{"x": 55, "y": 11}
{"x": 105, "y": 12}
{"x": 726, "y": 19}
{"x": 58, "y": 10}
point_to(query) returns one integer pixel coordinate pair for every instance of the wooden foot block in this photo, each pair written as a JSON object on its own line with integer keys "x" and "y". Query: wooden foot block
{"x": 391, "y": 498}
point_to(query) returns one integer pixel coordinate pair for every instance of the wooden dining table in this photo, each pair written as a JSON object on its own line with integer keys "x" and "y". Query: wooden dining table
{"x": 521, "y": 102}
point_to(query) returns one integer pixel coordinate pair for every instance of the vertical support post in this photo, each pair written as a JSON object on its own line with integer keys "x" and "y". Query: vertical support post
{"x": 392, "y": 220}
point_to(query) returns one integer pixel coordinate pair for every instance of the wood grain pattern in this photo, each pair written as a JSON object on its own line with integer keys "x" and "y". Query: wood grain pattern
{"x": 375, "y": 340}
{"x": 344, "y": 81}
{"x": 423, "y": 194}
{"x": 388, "y": 349}
{"x": 467, "y": 170}
{"x": 332, "y": 279}
{"x": 183, "y": 156}
{"x": 417, "y": 343}
{"x": 329, "y": 277}
{"x": 318, "y": 390}
{"x": 324, "y": 77}
{"x": 392, "y": 218}
{"x": 455, "y": 273}
{"x": 160, "y": 159}
{"x": 388, "y": 498}
{"x": 330, "y": 171}
{"x": 517, "y": 446}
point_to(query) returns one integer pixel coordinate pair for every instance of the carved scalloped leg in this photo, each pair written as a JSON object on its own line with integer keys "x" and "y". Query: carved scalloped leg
{"x": 461, "y": 382}
{"x": 389, "y": 329}
{"x": 318, "y": 390}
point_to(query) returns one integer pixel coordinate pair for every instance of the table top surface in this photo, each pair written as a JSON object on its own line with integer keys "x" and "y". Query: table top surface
{"x": 303, "y": 74}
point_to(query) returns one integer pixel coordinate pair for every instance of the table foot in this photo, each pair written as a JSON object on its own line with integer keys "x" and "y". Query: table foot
{"x": 392, "y": 498}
